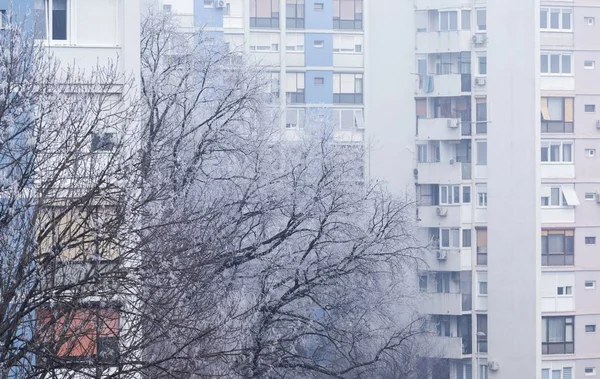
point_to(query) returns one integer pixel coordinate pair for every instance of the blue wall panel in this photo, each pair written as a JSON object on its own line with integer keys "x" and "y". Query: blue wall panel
{"x": 319, "y": 93}
{"x": 318, "y": 56}
{"x": 319, "y": 19}
{"x": 212, "y": 17}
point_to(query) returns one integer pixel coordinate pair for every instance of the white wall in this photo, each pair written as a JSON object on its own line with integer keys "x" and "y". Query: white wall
{"x": 513, "y": 213}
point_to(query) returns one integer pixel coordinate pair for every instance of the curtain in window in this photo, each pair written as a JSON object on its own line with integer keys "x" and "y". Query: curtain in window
{"x": 545, "y": 110}
{"x": 555, "y": 108}
{"x": 544, "y": 330}
{"x": 556, "y": 331}
{"x": 568, "y": 109}
{"x": 556, "y": 244}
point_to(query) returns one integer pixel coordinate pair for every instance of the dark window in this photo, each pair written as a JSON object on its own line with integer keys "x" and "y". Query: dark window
{"x": 590, "y": 108}
{"x": 319, "y": 6}
{"x": 294, "y": 14}
{"x": 39, "y": 15}
{"x": 108, "y": 349}
{"x": 590, "y": 240}
{"x": 103, "y": 142}
{"x": 423, "y": 282}
{"x": 558, "y": 247}
{"x": 59, "y": 20}
{"x": 481, "y": 116}
{"x": 590, "y": 328}
{"x": 557, "y": 114}
{"x": 348, "y": 14}
{"x": 264, "y": 14}
{"x": 466, "y": 194}
{"x": 558, "y": 335}
{"x": 466, "y": 238}
{"x": 482, "y": 333}
{"x": 482, "y": 247}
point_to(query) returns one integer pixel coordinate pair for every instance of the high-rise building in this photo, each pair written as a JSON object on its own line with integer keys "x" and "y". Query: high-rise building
{"x": 506, "y": 141}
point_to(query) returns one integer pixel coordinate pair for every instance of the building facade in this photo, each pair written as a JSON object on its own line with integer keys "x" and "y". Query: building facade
{"x": 492, "y": 167}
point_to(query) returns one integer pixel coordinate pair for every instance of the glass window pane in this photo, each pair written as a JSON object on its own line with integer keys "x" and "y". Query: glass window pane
{"x": 555, "y": 196}
{"x": 445, "y": 238}
{"x": 544, "y": 63}
{"x": 555, "y": 63}
{"x": 454, "y": 20}
{"x": 566, "y": 64}
{"x": 544, "y": 18}
{"x": 554, "y": 18}
{"x": 567, "y": 152}
{"x": 465, "y": 20}
{"x": 481, "y": 19}
{"x": 455, "y": 237}
{"x": 556, "y": 244}
{"x": 566, "y": 19}
{"x": 556, "y": 108}
{"x": 59, "y": 20}
{"x": 555, "y": 152}
{"x": 556, "y": 329}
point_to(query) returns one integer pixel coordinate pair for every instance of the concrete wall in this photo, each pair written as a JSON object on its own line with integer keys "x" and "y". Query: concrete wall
{"x": 514, "y": 331}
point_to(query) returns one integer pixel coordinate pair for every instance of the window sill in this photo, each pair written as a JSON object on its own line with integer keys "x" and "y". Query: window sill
{"x": 560, "y": 31}
{"x": 548, "y": 75}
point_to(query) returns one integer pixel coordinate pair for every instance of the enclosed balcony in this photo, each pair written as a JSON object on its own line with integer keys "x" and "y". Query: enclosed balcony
{"x": 443, "y": 85}
{"x": 450, "y": 172}
{"x": 433, "y": 216}
{"x": 444, "y": 347}
{"x": 439, "y": 128}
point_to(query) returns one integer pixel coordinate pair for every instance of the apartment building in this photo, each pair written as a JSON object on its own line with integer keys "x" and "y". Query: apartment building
{"x": 312, "y": 51}
{"x": 507, "y": 132}
{"x": 84, "y": 35}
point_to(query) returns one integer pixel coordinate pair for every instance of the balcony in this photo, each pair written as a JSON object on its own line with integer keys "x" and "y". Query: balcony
{"x": 444, "y": 260}
{"x": 444, "y": 347}
{"x": 439, "y": 216}
{"x": 442, "y": 304}
{"x": 442, "y": 85}
{"x": 439, "y": 129}
{"x": 450, "y": 172}
{"x": 443, "y": 42}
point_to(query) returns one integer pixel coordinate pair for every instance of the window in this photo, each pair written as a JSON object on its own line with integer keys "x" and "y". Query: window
{"x": 556, "y": 197}
{"x": 557, "y": 151}
{"x": 558, "y": 247}
{"x": 590, "y": 153}
{"x": 590, "y": 284}
{"x": 481, "y": 20}
{"x": 590, "y": 371}
{"x": 465, "y": 19}
{"x": 590, "y": 108}
{"x": 227, "y": 9}
{"x": 590, "y": 240}
{"x": 442, "y": 282}
{"x": 319, "y": 44}
{"x": 449, "y": 194}
{"x": 294, "y": 118}
{"x": 590, "y": 65}
{"x": 481, "y": 115}
{"x": 466, "y": 194}
{"x": 209, "y": 3}
{"x": 482, "y": 247}
{"x": 167, "y": 8}
{"x": 556, "y": 63}
{"x": 343, "y": 43}
{"x": 557, "y": 335}
{"x": 483, "y": 371}
{"x": 481, "y": 199}
{"x": 351, "y": 119}
{"x": 422, "y": 153}
{"x": 3, "y": 18}
{"x": 319, "y": 81}
{"x": 557, "y": 114}
{"x": 51, "y": 17}
{"x": 95, "y": 332}
{"x": 294, "y": 88}
{"x": 482, "y": 153}
{"x": 556, "y": 19}
{"x": 294, "y": 14}
{"x": 482, "y": 60}
{"x": 103, "y": 142}
{"x": 589, "y": 21}
{"x": 448, "y": 21}
{"x": 483, "y": 288}
{"x": 567, "y": 373}
{"x": 562, "y": 291}
{"x": 264, "y": 14}
{"x": 449, "y": 238}
{"x": 264, "y": 42}
{"x": 294, "y": 42}
{"x": 444, "y": 64}
{"x": 348, "y": 88}
{"x": 466, "y": 238}
{"x": 319, "y": 6}
{"x": 423, "y": 282}
{"x": 590, "y": 196}
{"x": 590, "y": 328}
{"x": 348, "y": 14}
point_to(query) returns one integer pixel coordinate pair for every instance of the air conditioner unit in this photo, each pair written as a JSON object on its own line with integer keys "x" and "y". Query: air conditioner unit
{"x": 480, "y": 82}
{"x": 220, "y": 3}
{"x": 452, "y": 123}
{"x": 442, "y": 255}
{"x": 442, "y": 211}
{"x": 479, "y": 39}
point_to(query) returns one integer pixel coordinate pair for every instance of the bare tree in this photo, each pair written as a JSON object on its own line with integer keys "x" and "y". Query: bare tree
{"x": 182, "y": 234}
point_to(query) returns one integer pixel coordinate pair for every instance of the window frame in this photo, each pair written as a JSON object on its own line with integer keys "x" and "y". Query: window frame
{"x": 477, "y": 24}
{"x": 356, "y": 96}
{"x": 452, "y": 194}
{"x": 548, "y": 19}
{"x": 273, "y": 20}
{"x": 298, "y": 96}
{"x": 562, "y": 125}
{"x": 296, "y": 22}
{"x": 546, "y": 153}
{"x": 356, "y": 23}
{"x": 446, "y": 14}
{"x": 567, "y": 346}
{"x": 49, "y": 23}
{"x": 547, "y": 57}
{"x": 453, "y": 238}
{"x": 564, "y": 258}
